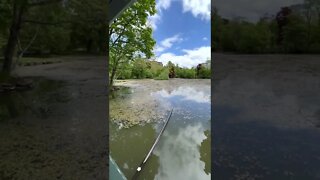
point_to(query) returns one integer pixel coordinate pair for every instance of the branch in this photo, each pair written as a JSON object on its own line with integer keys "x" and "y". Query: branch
{"x": 33, "y": 38}
{"x": 121, "y": 34}
{"x": 122, "y": 41}
{"x": 43, "y": 2}
{"x": 46, "y": 23}
{"x": 110, "y": 32}
{"x": 26, "y": 48}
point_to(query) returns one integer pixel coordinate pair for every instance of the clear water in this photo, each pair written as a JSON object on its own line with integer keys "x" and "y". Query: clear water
{"x": 183, "y": 151}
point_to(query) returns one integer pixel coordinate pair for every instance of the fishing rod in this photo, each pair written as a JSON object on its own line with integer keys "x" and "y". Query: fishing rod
{"x": 153, "y": 146}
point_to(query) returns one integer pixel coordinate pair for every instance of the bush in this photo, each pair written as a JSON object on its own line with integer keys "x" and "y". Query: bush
{"x": 149, "y": 74}
{"x": 204, "y": 73}
{"x": 155, "y": 68}
{"x": 125, "y": 74}
{"x": 185, "y": 73}
{"x": 139, "y": 69}
{"x": 164, "y": 75}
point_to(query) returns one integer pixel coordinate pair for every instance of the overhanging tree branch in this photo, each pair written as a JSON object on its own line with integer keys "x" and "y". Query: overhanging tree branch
{"x": 46, "y": 23}
{"x": 123, "y": 30}
{"x": 43, "y": 2}
{"x": 22, "y": 51}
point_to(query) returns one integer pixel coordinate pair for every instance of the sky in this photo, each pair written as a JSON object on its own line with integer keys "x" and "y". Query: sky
{"x": 251, "y": 10}
{"x": 181, "y": 29}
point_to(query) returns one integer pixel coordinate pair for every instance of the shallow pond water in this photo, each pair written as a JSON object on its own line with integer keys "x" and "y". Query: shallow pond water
{"x": 37, "y": 101}
{"x": 266, "y": 116}
{"x": 183, "y": 151}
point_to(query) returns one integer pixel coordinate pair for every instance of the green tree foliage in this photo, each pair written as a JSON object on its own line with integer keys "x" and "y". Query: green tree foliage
{"x": 89, "y": 30}
{"x": 5, "y": 14}
{"x": 185, "y": 73}
{"x": 295, "y": 35}
{"x": 155, "y": 68}
{"x": 204, "y": 73}
{"x": 292, "y": 30}
{"x": 67, "y": 27}
{"x": 130, "y": 35}
{"x": 125, "y": 71}
{"x": 164, "y": 75}
{"x": 139, "y": 69}
{"x": 172, "y": 73}
{"x": 53, "y": 27}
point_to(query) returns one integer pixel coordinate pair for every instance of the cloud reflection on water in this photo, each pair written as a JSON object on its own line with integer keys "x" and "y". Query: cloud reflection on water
{"x": 188, "y": 93}
{"x": 180, "y": 155}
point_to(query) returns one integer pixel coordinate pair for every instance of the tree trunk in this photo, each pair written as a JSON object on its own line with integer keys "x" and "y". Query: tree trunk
{"x": 20, "y": 55}
{"x": 89, "y": 45}
{"x": 113, "y": 73}
{"x": 13, "y": 37}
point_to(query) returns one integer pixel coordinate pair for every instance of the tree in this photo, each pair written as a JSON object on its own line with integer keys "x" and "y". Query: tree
{"x": 89, "y": 27}
{"x": 19, "y": 9}
{"x": 282, "y": 20}
{"x": 295, "y": 35}
{"x": 52, "y": 26}
{"x": 5, "y": 12}
{"x": 130, "y": 36}
{"x": 172, "y": 73}
{"x": 139, "y": 69}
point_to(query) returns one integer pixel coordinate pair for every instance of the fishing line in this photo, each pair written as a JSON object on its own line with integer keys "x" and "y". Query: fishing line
{"x": 139, "y": 169}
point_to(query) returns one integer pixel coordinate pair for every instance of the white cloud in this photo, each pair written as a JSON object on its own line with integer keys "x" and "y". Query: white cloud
{"x": 156, "y": 18}
{"x": 199, "y": 8}
{"x": 168, "y": 42}
{"x": 188, "y": 93}
{"x": 180, "y": 156}
{"x": 205, "y": 38}
{"x": 189, "y": 59}
{"x": 163, "y": 4}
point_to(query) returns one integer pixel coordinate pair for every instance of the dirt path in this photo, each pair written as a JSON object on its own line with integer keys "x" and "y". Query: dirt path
{"x": 65, "y": 134}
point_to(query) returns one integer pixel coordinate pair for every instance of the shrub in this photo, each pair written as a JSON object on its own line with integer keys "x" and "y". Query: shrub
{"x": 185, "y": 73}
{"x": 149, "y": 73}
{"x": 125, "y": 74}
{"x": 164, "y": 75}
{"x": 139, "y": 69}
{"x": 204, "y": 73}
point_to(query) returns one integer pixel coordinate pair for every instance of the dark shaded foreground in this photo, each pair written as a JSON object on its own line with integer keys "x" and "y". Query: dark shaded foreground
{"x": 266, "y": 117}
{"x": 57, "y": 130}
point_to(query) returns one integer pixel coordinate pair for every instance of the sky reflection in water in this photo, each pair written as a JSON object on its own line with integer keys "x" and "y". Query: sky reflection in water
{"x": 183, "y": 151}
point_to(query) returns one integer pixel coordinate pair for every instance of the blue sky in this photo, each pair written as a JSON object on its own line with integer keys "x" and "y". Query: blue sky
{"x": 181, "y": 29}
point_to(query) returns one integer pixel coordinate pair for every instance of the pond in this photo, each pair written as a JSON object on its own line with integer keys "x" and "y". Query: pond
{"x": 266, "y": 116}
{"x": 36, "y": 102}
{"x": 183, "y": 151}
{"x": 50, "y": 129}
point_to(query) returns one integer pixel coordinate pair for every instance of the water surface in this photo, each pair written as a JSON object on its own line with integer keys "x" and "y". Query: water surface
{"x": 183, "y": 151}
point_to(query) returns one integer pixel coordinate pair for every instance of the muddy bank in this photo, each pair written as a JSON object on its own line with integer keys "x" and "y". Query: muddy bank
{"x": 136, "y": 102}
{"x": 58, "y": 129}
